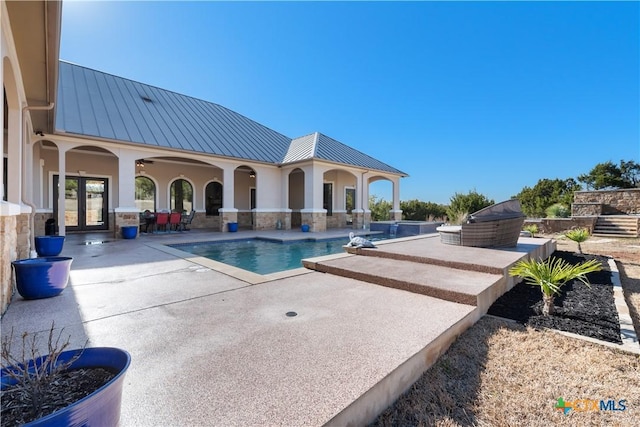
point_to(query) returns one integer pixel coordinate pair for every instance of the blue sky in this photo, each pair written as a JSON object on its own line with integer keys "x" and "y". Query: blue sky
{"x": 485, "y": 96}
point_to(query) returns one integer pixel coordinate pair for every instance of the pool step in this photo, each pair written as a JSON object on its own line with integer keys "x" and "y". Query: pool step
{"x": 465, "y": 287}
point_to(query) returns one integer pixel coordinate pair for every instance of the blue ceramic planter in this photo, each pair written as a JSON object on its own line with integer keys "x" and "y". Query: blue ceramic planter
{"x": 100, "y": 408}
{"x": 233, "y": 226}
{"x": 129, "y": 231}
{"x": 305, "y": 228}
{"x": 49, "y": 245}
{"x": 41, "y": 277}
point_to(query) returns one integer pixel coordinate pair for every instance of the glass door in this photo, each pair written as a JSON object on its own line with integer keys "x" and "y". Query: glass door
{"x": 85, "y": 203}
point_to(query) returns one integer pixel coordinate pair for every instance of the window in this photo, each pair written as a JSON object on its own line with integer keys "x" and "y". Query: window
{"x": 213, "y": 196}
{"x": 145, "y": 194}
{"x": 327, "y": 200}
{"x": 181, "y": 196}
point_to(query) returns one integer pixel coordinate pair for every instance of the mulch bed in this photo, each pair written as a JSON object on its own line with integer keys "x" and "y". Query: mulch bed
{"x": 590, "y": 312}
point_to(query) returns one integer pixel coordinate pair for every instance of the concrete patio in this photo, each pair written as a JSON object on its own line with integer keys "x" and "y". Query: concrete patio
{"x": 212, "y": 349}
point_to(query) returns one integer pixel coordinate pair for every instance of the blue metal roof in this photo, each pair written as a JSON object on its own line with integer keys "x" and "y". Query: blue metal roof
{"x": 96, "y": 104}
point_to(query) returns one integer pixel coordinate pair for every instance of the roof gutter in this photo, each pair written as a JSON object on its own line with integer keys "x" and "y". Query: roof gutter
{"x": 25, "y": 200}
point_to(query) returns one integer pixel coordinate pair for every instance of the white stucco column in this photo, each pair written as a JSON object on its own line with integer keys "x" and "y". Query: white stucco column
{"x": 62, "y": 178}
{"x": 127, "y": 181}
{"x": 228, "y": 212}
{"x": 14, "y": 153}
{"x": 396, "y": 213}
{"x": 228, "y": 187}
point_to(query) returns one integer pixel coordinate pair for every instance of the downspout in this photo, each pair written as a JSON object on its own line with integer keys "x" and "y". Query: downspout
{"x": 25, "y": 200}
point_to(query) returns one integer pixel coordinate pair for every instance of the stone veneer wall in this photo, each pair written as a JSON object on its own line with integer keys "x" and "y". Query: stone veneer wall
{"x": 317, "y": 221}
{"x": 201, "y": 220}
{"x": 245, "y": 218}
{"x": 23, "y": 236}
{"x": 337, "y": 220}
{"x": 606, "y": 202}
{"x": 8, "y": 253}
{"x": 556, "y": 225}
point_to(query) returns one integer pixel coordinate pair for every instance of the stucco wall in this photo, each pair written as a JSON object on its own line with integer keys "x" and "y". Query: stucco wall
{"x": 606, "y": 202}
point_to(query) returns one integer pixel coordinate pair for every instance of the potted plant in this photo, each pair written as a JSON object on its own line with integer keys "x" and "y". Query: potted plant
{"x": 49, "y": 245}
{"x": 41, "y": 277}
{"x": 550, "y": 275}
{"x": 62, "y": 388}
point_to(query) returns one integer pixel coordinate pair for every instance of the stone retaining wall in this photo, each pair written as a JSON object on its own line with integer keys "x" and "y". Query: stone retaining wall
{"x": 557, "y": 225}
{"x": 606, "y": 202}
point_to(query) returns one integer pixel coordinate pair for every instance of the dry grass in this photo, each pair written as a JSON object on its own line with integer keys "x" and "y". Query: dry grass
{"x": 499, "y": 373}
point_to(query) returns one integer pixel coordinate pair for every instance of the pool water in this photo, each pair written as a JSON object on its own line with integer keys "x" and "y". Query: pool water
{"x": 263, "y": 256}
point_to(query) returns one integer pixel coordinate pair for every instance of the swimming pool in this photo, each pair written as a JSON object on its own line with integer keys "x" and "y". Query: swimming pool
{"x": 263, "y": 256}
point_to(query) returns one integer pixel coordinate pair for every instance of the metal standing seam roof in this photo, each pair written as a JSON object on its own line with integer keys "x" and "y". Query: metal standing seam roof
{"x": 96, "y": 104}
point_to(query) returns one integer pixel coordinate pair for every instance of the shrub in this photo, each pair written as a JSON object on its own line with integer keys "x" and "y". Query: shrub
{"x": 558, "y": 210}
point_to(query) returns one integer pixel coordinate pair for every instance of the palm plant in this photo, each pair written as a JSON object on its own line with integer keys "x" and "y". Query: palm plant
{"x": 550, "y": 275}
{"x": 578, "y": 235}
{"x": 531, "y": 228}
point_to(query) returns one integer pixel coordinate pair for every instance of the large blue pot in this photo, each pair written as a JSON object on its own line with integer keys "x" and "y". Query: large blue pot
{"x": 233, "y": 227}
{"x": 49, "y": 245}
{"x": 41, "y": 277}
{"x": 100, "y": 408}
{"x": 129, "y": 231}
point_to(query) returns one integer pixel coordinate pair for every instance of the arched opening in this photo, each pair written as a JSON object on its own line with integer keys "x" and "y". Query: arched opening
{"x": 296, "y": 196}
{"x": 181, "y": 196}
{"x": 339, "y": 197}
{"x": 145, "y": 194}
{"x": 380, "y": 198}
{"x": 213, "y": 198}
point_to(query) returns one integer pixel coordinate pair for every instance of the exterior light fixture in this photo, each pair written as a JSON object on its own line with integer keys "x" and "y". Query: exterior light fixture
{"x": 252, "y": 174}
{"x": 140, "y": 163}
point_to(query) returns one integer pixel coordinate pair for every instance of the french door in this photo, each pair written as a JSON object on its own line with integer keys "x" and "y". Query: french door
{"x": 85, "y": 201}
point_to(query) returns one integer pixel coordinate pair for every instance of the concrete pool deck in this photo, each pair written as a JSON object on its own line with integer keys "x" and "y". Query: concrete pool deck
{"x": 211, "y": 349}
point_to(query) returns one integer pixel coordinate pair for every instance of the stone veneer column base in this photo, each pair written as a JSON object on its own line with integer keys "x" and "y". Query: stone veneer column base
{"x": 316, "y": 220}
{"x": 395, "y": 215}
{"x": 228, "y": 215}
{"x": 124, "y": 218}
{"x": 23, "y": 236}
{"x": 8, "y": 253}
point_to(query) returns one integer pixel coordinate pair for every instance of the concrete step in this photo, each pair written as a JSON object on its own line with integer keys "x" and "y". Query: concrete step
{"x": 464, "y": 287}
{"x": 619, "y": 226}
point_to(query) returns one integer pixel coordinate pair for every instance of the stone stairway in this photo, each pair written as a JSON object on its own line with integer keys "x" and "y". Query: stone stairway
{"x": 617, "y": 226}
{"x": 423, "y": 265}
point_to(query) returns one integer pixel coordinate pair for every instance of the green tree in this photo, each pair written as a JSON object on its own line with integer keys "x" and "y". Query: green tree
{"x": 379, "y": 208}
{"x": 467, "y": 203}
{"x": 608, "y": 175}
{"x": 416, "y": 210}
{"x": 630, "y": 173}
{"x": 545, "y": 193}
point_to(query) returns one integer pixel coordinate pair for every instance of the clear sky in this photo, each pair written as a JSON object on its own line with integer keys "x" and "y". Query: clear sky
{"x": 485, "y": 96}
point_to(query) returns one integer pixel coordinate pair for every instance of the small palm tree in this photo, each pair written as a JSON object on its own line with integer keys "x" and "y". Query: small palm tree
{"x": 551, "y": 275}
{"x": 578, "y": 235}
{"x": 531, "y": 228}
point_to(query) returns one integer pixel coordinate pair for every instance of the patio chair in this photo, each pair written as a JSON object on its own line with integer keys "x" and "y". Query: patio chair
{"x": 495, "y": 226}
{"x": 186, "y": 220}
{"x": 162, "y": 219}
{"x": 174, "y": 221}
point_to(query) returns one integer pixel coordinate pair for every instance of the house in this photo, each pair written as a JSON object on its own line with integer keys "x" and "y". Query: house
{"x": 121, "y": 147}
